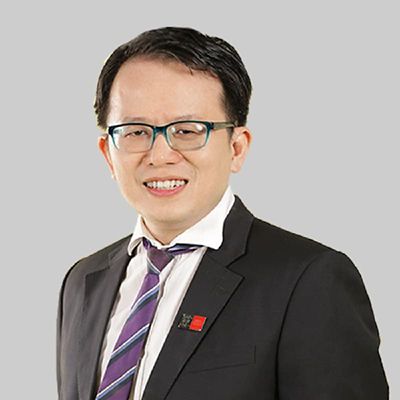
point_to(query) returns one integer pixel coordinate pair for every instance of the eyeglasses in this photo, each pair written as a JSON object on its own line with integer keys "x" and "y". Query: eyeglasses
{"x": 135, "y": 137}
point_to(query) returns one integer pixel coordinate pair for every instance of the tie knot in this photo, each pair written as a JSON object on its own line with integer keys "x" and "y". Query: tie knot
{"x": 158, "y": 259}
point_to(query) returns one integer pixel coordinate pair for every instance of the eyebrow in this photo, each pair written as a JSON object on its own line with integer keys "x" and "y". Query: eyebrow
{"x": 147, "y": 120}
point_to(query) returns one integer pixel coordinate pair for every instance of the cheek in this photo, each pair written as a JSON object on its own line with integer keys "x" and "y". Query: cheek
{"x": 224, "y": 163}
{"x": 125, "y": 172}
{"x": 215, "y": 171}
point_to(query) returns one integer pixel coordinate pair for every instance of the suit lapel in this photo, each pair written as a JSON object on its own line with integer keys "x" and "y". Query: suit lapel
{"x": 210, "y": 289}
{"x": 101, "y": 288}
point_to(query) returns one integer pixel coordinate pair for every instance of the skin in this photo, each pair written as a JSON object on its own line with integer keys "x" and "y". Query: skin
{"x": 158, "y": 92}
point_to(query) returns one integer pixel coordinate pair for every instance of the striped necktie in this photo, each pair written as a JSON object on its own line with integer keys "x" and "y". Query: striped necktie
{"x": 117, "y": 380}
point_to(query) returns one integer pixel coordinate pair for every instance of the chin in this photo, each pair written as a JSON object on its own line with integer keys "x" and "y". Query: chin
{"x": 172, "y": 219}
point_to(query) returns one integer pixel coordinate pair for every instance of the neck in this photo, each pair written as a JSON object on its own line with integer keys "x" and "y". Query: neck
{"x": 166, "y": 232}
{"x": 165, "y": 235}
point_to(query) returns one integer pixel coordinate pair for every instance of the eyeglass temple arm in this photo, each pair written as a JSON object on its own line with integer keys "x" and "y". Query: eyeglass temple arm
{"x": 223, "y": 125}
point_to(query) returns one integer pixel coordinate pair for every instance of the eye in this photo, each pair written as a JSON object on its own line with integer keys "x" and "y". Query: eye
{"x": 135, "y": 132}
{"x": 187, "y": 129}
{"x": 185, "y": 132}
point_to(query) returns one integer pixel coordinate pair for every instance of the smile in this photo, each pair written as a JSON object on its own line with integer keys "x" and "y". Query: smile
{"x": 169, "y": 184}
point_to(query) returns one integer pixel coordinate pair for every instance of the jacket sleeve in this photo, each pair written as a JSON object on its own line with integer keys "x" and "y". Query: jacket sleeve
{"x": 59, "y": 333}
{"x": 58, "y": 337}
{"x": 328, "y": 348}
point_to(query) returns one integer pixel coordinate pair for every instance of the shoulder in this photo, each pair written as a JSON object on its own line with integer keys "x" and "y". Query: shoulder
{"x": 95, "y": 261}
{"x": 274, "y": 251}
{"x": 305, "y": 273}
{"x": 279, "y": 242}
{"x": 264, "y": 238}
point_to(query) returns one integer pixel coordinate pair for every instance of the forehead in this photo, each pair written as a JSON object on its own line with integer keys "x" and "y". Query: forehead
{"x": 155, "y": 88}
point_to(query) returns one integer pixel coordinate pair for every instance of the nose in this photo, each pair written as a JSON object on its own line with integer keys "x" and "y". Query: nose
{"x": 161, "y": 153}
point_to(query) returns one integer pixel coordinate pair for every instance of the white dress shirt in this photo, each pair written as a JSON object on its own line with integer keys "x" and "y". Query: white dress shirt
{"x": 175, "y": 279}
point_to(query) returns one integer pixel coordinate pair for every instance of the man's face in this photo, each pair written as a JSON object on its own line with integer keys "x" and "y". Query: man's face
{"x": 158, "y": 92}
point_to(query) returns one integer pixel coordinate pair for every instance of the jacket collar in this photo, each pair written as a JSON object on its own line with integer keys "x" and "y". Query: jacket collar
{"x": 211, "y": 288}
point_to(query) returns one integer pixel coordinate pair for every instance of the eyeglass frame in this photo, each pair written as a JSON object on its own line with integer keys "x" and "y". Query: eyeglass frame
{"x": 162, "y": 129}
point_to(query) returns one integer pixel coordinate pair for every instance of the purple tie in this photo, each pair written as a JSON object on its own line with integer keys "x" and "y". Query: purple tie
{"x": 124, "y": 360}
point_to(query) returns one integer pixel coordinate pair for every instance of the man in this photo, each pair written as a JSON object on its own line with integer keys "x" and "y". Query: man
{"x": 248, "y": 310}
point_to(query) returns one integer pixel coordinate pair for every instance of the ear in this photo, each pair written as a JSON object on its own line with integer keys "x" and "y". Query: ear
{"x": 103, "y": 146}
{"x": 240, "y": 143}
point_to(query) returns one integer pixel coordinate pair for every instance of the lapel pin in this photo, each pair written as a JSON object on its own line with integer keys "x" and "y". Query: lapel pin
{"x": 192, "y": 322}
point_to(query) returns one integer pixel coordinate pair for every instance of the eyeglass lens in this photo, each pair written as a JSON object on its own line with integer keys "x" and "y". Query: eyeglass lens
{"x": 181, "y": 136}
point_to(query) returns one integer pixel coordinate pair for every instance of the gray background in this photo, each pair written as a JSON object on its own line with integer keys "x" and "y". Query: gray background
{"x": 324, "y": 161}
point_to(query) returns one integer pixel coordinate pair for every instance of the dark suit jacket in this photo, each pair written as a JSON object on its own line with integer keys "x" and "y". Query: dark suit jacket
{"x": 287, "y": 319}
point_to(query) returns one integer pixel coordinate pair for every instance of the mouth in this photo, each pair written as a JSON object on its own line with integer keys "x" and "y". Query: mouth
{"x": 165, "y": 186}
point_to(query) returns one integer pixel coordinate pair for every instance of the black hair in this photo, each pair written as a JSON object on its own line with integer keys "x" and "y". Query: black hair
{"x": 195, "y": 50}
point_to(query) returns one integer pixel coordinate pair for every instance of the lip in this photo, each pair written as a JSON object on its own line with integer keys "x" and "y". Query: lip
{"x": 164, "y": 192}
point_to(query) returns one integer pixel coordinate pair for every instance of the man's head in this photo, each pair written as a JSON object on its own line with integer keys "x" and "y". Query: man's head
{"x": 164, "y": 76}
{"x": 197, "y": 51}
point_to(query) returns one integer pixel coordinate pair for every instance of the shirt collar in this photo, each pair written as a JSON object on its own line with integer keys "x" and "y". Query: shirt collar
{"x": 207, "y": 232}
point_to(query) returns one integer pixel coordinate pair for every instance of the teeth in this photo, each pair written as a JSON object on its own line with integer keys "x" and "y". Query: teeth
{"x": 165, "y": 185}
